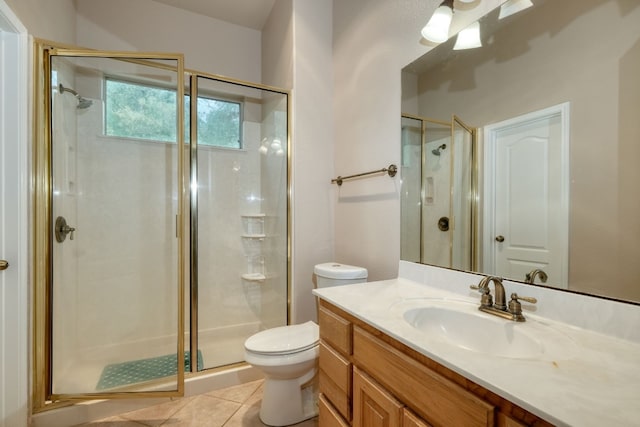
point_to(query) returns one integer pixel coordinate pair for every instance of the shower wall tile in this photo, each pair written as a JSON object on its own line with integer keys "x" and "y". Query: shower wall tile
{"x": 127, "y": 201}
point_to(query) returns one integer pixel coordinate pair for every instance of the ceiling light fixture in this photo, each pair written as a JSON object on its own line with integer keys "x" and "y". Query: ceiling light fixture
{"x": 437, "y": 29}
{"x": 469, "y": 38}
{"x": 511, "y": 7}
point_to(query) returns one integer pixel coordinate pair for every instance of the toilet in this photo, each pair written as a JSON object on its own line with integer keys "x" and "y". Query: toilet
{"x": 288, "y": 357}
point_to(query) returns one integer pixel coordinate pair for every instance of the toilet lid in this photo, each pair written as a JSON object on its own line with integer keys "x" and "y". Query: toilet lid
{"x": 284, "y": 339}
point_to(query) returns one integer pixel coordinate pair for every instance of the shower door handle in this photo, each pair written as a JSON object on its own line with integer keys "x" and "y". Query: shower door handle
{"x": 62, "y": 229}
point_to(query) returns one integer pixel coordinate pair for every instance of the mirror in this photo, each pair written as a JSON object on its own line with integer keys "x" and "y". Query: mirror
{"x": 575, "y": 64}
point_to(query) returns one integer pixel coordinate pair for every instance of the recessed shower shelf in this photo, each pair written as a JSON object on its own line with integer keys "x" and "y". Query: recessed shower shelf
{"x": 253, "y": 225}
{"x": 254, "y": 236}
{"x": 254, "y": 277}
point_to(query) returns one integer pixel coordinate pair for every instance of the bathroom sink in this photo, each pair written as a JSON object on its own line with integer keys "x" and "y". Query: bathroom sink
{"x": 462, "y": 325}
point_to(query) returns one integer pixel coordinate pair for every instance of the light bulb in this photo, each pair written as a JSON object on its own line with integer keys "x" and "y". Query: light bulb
{"x": 437, "y": 29}
{"x": 469, "y": 38}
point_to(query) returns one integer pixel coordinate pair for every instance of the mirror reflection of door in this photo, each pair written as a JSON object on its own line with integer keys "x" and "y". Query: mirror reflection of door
{"x": 526, "y": 179}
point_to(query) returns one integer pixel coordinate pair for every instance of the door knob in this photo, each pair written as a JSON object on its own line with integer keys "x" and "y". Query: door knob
{"x": 500, "y": 239}
{"x": 62, "y": 229}
{"x": 3, "y": 265}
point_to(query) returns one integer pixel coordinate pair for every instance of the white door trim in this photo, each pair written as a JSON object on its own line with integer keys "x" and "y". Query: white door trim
{"x": 490, "y": 137}
{"x": 14, "y": 149}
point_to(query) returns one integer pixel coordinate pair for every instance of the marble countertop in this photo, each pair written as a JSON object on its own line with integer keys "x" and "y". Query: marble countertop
{"x": 592, "y": 380}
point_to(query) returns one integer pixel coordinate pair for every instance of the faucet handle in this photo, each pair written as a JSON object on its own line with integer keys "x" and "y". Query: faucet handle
{"x": 486, "y": 300}
{"x": 481, "y": 289}
{"x": 516, "y": 297}
{"x": 515, "y": 308}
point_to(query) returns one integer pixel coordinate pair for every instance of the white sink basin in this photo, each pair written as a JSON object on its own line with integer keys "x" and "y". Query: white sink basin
{"x": 461, "y": 324}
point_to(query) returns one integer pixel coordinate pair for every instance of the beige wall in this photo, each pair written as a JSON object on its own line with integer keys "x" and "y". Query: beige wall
{"x": 50, "y": 20}
{"x": 313, "y": 138}
{"x": 540, "y": 62}
{"x": 277, "y": 46}
{"x": 208, "y": 44}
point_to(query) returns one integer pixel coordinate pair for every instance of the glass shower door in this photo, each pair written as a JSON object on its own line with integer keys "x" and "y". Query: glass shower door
{"x": 410, "y": 200}
{"x": 116, "y": 282}
{"x": 239, "y": 216}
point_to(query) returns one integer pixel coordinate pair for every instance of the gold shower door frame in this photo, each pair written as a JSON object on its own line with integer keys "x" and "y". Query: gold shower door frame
{"x": 458, "y": 125}
{"x": 42, "y": 223}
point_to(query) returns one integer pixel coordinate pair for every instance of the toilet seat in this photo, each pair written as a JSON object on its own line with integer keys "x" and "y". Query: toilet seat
{"x": 284, "y": 340}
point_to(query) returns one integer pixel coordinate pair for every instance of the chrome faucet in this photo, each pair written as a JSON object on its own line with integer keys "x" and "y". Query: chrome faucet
{"x": 499, "y": 307}
{"x": 531, "y": 276}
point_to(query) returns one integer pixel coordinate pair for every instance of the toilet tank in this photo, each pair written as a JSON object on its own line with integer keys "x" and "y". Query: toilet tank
{"x": 336, "y": 274}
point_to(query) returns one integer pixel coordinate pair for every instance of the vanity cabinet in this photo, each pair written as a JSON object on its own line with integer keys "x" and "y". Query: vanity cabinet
{"x": 335, "y": 366}
{"x": 368, "y": 378}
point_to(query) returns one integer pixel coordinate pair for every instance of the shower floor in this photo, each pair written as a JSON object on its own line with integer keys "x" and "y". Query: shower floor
{"x": 138, "y": 371}
{"x": 85, "y": 374}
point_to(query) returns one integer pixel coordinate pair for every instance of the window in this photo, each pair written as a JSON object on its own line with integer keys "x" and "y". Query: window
{"x": 135, "y": 110}
{"x": 219, "y": 122}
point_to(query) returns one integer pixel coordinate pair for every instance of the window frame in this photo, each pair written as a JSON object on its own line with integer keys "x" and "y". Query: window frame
{"x": 207, "y": 96}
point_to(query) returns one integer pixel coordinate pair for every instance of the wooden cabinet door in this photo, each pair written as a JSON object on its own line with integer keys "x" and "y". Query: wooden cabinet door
{"x": 503, "y": 420}
{"x": 373, "y": 406}
{"x": 328, "y": 415}
{"x": 409, "y": 419}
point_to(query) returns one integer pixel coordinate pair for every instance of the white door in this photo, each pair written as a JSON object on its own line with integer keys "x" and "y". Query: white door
{"x": 13, "y": 216}
{"x": 527, "y": 189}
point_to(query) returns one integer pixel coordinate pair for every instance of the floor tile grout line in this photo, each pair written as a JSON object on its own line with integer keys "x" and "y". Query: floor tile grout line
{"x": 235, "y": 412}
{"x": 171, "y": 414}
{"x": 190, "y": 401}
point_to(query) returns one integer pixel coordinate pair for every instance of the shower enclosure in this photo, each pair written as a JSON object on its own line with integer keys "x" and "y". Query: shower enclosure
{"x": 438, "y": 192}
{"x": 161, "y": 222}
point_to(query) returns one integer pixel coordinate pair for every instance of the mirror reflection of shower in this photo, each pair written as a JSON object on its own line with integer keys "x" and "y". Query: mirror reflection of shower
{"x": 437, "y": 151}
{"x": 82, "y": 102}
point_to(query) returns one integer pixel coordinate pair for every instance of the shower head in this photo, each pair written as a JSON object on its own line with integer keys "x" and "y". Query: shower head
{"x": 82, "y": 102}
{"x": 436, "y": 152}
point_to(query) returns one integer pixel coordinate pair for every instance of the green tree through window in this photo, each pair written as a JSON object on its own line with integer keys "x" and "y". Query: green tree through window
{"x": 141, "y": 111}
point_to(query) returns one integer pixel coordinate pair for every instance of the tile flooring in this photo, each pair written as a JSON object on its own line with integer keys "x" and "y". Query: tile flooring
{"x": 230, "y": 407}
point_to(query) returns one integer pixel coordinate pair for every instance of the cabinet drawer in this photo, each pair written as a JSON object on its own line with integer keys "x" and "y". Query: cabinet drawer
{"x": 336, "y": 367}
{"x": 335, "y": 330}
{"x": 327, "y": 415}
{"x": 340, "y": 400}
{"x": 435, "y": 398}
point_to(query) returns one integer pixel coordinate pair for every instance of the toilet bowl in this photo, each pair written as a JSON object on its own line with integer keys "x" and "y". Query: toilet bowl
{"x": 288, "y": 357}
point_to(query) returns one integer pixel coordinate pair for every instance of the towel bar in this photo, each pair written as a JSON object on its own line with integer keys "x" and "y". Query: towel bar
{"x": 391, "y": 171}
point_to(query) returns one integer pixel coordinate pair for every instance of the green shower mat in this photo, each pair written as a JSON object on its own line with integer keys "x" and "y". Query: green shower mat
{"x": 137, "y": 371}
